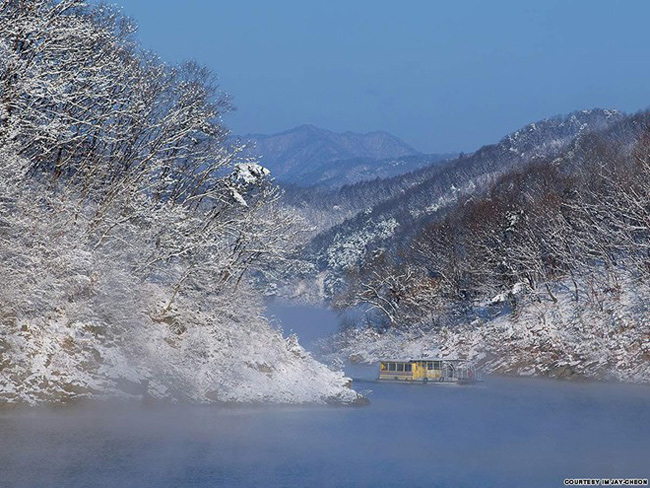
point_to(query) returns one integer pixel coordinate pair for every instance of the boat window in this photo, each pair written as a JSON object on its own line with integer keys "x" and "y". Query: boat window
{"x": 400, "y": 367}
{"x": 391, "y": 366}
{"x": 407, "y": 367}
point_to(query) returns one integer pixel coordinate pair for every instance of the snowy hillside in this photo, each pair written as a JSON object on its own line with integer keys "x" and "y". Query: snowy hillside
{"x": 605, "y": 341}
{"x": 77, "y": 323}
{"x": 544, "y": 272}
{"x": 413, "y": 200}
{"x": 130, "y": 227}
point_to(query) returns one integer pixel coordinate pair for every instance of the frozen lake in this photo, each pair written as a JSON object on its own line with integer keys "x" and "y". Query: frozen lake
{"x": 506, "y": 432}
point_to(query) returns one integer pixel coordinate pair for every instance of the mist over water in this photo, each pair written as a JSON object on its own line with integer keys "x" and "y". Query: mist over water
{"x": 309, "y": 323}
{"x": 507, "y": 432}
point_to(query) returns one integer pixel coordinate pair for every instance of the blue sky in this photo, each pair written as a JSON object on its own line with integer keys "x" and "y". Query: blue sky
{"x": 443, "y": 76}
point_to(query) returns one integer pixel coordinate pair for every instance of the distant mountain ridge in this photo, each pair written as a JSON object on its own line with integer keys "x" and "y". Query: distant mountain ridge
{"x": 308, "y": 155}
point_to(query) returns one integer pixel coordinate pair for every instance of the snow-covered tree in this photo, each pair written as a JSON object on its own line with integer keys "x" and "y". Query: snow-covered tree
{"x": 129, "y": 225}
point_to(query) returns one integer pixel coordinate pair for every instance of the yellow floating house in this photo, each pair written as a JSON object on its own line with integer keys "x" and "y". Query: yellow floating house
{"x": 428, "y": 369}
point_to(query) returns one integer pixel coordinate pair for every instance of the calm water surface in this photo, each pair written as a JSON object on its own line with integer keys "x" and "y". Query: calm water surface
{"x": 507, "y": 432}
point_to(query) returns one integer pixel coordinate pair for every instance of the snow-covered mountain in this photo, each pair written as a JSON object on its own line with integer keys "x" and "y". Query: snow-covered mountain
{"x": 398, "y": 206}
{"x": 308, "y": 155}
{"x": 528, "y": 265}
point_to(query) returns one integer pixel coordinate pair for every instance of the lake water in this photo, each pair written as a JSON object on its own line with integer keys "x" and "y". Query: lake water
{"x": 506, "y": 432}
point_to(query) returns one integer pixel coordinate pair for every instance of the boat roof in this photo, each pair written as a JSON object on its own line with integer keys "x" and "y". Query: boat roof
{"x": 411, "y": 360}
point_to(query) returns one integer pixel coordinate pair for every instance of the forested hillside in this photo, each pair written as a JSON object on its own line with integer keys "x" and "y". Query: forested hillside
{"x": 383, "y": 214}
{"x": 129, "y": 226}
{"x": 545, "y": 270}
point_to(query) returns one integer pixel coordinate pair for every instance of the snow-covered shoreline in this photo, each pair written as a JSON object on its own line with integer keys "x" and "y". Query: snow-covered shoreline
{"x": 605, "y": 342}
{"x": 217, "y": 360}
